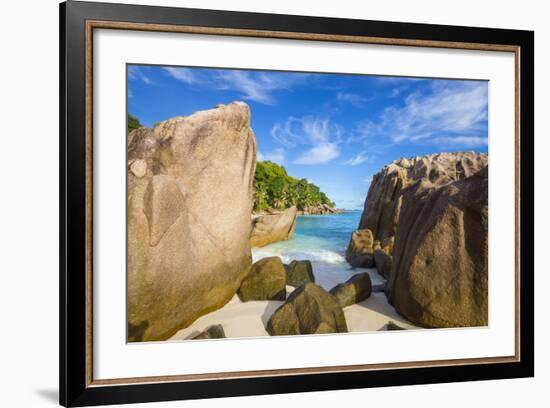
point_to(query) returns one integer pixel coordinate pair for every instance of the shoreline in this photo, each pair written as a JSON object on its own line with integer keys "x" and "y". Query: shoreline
{"x": 249, "y": 319}
{"x": 337, "y": 211}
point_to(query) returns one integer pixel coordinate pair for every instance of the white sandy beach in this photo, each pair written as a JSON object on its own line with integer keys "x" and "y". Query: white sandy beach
{"x": 248, "y": 319}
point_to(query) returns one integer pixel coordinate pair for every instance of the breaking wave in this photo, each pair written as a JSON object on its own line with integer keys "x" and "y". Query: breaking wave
{"x": 321, "y": 255}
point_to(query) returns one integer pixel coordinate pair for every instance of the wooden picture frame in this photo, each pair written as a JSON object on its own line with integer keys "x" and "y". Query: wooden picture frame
{"x": 78, "y": 20}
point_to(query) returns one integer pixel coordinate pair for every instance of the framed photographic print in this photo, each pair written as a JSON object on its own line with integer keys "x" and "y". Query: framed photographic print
{"x": 256, "y": 203}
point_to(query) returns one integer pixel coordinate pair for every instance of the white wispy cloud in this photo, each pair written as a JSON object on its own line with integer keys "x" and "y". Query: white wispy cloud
{"x": 357, "y": 159}
{"x": 278, "y": 156}
{"x": 184, "y": 75}
{"x": 361, "y": 132}
{"x": 319, "y": 154}
{"x": 320, "y": 136}
{"x": 256, "y": 86}
{"x": 446, "y": 114}
{"x": 138, "y": 73}
{"x": 351, "y": 98}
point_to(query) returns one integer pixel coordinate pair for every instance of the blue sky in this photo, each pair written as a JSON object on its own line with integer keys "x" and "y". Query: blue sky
{"x": 335, "y": 130}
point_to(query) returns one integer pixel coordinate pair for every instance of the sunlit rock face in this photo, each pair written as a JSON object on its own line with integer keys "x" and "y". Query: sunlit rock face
{"x": 189, "y": 205}
{"x": 436, "y": 208}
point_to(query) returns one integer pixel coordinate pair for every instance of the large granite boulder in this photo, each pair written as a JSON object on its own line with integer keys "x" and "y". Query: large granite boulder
{"x": 439, "y": 275}
{"x": 299, "y": 273}
{"x": 384, "y": 199}
{"x": 360, "y": 252}
{"x": 265, "y": 281}
{"x": 435, "y": 207}
{"x": 270, "y": 228}
{"x": 308, "y": 310}
{"x": 354, "y": 290}
{"x": 189, "y": 205}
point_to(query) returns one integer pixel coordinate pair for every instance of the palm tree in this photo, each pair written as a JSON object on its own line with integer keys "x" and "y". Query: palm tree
{"x": 292, "y": 196}
{"x": 286, "y": 196}
{"x": 260, "y": 195}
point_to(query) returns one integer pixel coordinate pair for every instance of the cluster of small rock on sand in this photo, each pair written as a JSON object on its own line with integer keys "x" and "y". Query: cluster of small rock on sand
{"x": 249, "y": 319}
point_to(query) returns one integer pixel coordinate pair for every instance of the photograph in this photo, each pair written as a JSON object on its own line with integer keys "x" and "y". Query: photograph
{"x": 279, "y": 203}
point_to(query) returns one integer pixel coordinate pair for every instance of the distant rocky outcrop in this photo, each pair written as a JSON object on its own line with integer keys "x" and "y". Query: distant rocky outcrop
{"x": 318, "y": 209}
{"x": 354, "y": 290}
{"x": 308, "y": 310}
{"x": 299, "y": 272}
{"x": 265, "y": 281}
{"x": 186, "y": 257}
{"x": 436, "y": 208}
{"x": 270, "y": 228}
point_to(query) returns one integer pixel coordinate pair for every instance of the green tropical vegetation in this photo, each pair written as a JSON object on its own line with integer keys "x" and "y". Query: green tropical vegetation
{"x": 133, "y": 123}
{"x": 274, "y": 188}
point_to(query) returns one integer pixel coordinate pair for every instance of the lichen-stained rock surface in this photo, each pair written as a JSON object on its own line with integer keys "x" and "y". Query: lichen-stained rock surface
{"x": 270, "y": 228}
{"x": 354, "y": 290}
{"x": 435, "y": 208}
{"x": 299, "y": 272}
{"x": 384, "y": 199}
{"x": 360, "y": 252}
{"x": 439, "y": 275}
{"x": 211, "y": 332}
{"x": 189, "y": 205}
{"x": 308, "y": 310}
{"x": 265, "y": 281}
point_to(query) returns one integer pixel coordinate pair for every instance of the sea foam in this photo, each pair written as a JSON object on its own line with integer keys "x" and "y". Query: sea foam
{"x": 321, "y": 255}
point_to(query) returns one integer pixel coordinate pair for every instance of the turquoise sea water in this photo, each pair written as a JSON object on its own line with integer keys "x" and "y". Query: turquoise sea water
{"x": 323, "y": 239}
